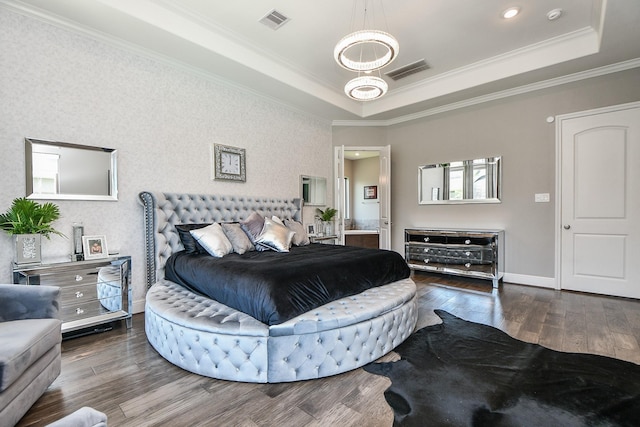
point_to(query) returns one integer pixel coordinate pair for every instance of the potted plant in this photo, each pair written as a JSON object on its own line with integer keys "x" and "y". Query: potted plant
{"x": 326, "y": 216}
{"x": 29, "y": 220}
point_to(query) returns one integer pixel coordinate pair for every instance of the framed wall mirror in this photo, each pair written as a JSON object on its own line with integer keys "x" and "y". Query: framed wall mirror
{"x": 465, "y": 181}
{"x": 65, "y": 171}
{"x": 313, "y": 190}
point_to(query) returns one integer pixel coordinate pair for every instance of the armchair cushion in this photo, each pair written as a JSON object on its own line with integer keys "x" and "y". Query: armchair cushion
{"x": 23, "y": 343}
{"x": 30, "y": 340}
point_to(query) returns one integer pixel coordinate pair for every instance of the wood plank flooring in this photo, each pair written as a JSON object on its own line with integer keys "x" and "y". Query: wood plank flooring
{"x": 119, "y": 373}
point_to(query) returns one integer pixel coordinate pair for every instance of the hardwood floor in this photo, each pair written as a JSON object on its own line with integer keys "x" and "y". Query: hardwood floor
{"x": 119, "y": 373}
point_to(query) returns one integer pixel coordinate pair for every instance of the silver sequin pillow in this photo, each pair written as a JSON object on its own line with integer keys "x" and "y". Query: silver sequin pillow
{"x": 275, "y": 236}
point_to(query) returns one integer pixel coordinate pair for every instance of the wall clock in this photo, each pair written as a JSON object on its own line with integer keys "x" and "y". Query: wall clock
{"x": 229, "y": 163}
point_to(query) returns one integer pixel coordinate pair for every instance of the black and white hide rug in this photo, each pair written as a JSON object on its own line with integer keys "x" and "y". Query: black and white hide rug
{"x": 460, "y": 373}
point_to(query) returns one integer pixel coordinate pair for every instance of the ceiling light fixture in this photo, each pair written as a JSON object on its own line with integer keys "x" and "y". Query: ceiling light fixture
{"x": 366, "y": 88}
{"x": 511, "y": 12}
{"x": 361, "y": 38}
{"x": 365, "y": 51}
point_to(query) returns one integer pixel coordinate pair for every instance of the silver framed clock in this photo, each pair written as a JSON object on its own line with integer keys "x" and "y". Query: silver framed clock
{"x": 229, "y": 163}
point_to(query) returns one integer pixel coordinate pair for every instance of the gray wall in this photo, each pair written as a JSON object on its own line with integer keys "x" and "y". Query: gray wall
{"x": 162, "y": 119}
{"x": 515, "y": 128}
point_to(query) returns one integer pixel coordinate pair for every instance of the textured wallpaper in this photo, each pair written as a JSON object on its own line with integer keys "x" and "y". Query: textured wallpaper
{"x": 162, "y": 119}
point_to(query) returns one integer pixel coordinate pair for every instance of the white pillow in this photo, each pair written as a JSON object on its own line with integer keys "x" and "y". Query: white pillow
{"x": 213, "y": 240}
{"x": 275, "y": 236}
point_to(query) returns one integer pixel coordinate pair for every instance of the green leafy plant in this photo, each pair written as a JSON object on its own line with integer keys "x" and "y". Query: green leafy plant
{"x": 30, "y": 217}
{"x": 327, "y": 214}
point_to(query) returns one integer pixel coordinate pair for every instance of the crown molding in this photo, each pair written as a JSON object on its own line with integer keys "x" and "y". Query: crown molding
{"x": 583, "y": 75}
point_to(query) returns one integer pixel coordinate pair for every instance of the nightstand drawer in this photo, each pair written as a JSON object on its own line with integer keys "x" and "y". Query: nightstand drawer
{"x": 82, "y": 310}
{"x": 69, "y": 277}
{"x": 80, "y": 293}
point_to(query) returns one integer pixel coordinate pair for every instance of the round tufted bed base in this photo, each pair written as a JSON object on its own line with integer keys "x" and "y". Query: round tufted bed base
{"x": 208, "y": 338}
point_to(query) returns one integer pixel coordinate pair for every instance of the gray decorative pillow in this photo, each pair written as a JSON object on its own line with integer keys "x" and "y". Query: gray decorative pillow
{"x": 237, "y": 237}
{"x": 275, "y": 236}
{"x": 300, "y": 238}
{"x": 253, "y": 225}
{"x": 213, "y": 239}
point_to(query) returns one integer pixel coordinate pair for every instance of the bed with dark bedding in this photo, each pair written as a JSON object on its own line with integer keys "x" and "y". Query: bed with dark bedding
{"x": 307, "y": 312}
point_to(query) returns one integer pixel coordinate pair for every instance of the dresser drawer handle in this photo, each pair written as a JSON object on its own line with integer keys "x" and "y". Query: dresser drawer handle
{"x": 79, "y": 294}
{"x": 467, "y": 265}
{"x": 79, "y": 311}
{"x": 426, "y": 249}
{"x": 467, "y": 253}
{"x": 78, "y": 277}
{"x": 466, "y": 242}
{"x": 426, "y": 260}
{"x": 426, "y": 239}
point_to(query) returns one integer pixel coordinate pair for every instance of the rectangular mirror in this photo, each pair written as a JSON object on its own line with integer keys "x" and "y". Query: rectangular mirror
{"x": 64, "y": 171}
{"x": 466, "y": 181}
{"x": 313, "y": 190}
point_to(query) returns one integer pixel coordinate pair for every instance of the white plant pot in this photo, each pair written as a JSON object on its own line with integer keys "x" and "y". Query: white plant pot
{"x": 28, "y": 248}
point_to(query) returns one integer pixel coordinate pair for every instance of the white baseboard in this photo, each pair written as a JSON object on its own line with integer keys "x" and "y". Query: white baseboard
{"x": 138, "y": 306}
{"x": 523, "y": 279}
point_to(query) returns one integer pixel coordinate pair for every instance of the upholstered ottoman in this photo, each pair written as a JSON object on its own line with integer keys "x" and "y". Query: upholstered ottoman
{"x": 208, "y": 338}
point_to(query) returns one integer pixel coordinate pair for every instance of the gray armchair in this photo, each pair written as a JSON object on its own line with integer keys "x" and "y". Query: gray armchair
{"x": 30, "y": 340}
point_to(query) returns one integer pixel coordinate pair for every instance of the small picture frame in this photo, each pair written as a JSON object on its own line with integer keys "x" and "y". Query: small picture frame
{"x": 95, "y": 247}
{"x": 370, "y": 192}
{"x": 311, "y": 229}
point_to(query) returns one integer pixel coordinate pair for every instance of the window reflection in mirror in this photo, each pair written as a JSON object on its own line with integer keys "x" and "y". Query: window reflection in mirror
{"x": 313, "y": 190}
{"x": 467, "y": 181}
{"x": 64, "y": 171}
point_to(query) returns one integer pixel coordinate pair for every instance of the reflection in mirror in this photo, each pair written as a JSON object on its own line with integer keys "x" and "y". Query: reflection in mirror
{"x": 467, "y": 181}
{"x": 313, "y": 190}
{"x": 64, "y": 171}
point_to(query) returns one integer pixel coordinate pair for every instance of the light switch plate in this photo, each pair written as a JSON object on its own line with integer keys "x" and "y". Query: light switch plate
{"x": 542, "y": 197}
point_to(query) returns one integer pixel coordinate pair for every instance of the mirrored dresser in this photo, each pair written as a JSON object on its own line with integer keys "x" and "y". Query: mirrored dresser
{"x": 474, "y": 253}
{"x": 93, "y": 292}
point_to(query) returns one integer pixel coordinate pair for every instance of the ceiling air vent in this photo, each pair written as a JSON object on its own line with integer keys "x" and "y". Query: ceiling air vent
{"x": 407, "y": 70}
{"x": 274, "y": 20}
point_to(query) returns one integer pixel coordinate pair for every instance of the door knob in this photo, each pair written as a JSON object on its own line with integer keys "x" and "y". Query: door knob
{"x": 567, "y": 226}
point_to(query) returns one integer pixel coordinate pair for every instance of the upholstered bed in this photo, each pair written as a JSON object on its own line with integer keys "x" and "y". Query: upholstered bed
{"x": 206, "y": 337}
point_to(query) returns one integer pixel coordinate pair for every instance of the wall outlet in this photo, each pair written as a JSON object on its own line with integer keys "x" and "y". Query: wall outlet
{"x": 542, "y": 197}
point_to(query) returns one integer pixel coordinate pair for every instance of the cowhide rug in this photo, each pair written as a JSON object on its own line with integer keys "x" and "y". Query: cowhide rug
{"x": 461, "y": 373}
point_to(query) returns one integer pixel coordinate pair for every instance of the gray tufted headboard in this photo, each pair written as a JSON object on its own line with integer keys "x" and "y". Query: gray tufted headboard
{"x": 162, "y": 211}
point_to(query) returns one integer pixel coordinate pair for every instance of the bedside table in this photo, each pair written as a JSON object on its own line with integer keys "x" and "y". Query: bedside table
{"x": 92, "y": 292}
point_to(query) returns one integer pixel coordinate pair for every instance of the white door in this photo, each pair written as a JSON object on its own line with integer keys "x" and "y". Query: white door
{"x": 600, "y": 202}
{"x": 384, "y": 189}
{"x": 384, "y": 194}
{"x": 339, "y": 191}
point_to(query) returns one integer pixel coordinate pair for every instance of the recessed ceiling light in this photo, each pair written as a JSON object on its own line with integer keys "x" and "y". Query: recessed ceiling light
{"x": 554, "y": 14}
{"x": 511, "y": 12}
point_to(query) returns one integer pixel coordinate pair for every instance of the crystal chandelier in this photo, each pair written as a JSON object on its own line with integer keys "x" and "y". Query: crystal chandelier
{"x": 365, "y": 51}
{"x": 366, "y": 88}
{"x": 360, "y": 38}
